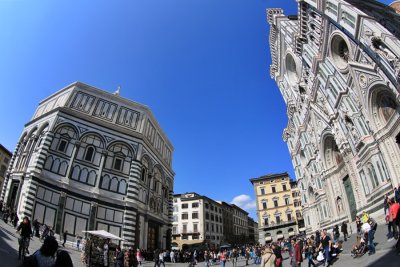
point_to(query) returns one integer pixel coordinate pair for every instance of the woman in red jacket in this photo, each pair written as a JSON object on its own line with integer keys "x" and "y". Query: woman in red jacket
{"x": 295, "y": 253}
{"x": 391, "y": 217}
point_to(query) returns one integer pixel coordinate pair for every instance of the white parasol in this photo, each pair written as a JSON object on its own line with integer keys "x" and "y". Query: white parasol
{"x": 103, "y": 234}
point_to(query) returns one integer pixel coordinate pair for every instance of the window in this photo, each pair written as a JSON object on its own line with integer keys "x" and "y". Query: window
{"x": 265, "y": 221}
{"x": 195, "y": 228}
{"x": 212, "y": 217}
{"x": 174, "y": 231}
{"x": 3, "y": 170}
{"x": 207, "y": 216}
{"x": 195, "y": 215}
{"x": 264, "y": 204}
{"x": 62, "y": 146}
{"x": 289, "y": 217}
{"x": 122, "y": 187}
{"x": 185, "y": 206}
{"x": 275, "y": 203}
{"x": 286, "y": 201}
{"x": 273, "y": 189}
{"x": 117, "y": 164}
{"x": 185, "y": 216}
{"x": 262, "y": 191}
{"x": 195, "y": 205}
{"x": 206, "y": 205}
{"x": 284, "y": 187}
{"x": 207, "y": 228}
{"x": 89, "y": 153}
{"x": 144, "y": 171}
{"x": 278, "y": 219}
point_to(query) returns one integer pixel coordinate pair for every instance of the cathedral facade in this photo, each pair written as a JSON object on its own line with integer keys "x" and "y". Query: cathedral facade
{"x": 337, "y": 66}
{"x": 92, "y": 160}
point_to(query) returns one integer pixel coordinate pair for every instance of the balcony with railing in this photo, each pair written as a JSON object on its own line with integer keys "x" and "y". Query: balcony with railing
{"x": 273, "y": 224}
{"x": 185, "y": 232}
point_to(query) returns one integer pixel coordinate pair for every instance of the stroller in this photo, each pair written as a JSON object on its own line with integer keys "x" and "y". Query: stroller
{"x": 360, "y": 249}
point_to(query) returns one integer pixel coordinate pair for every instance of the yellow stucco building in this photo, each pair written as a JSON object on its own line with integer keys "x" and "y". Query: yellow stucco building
{"x": 278, "y": 207}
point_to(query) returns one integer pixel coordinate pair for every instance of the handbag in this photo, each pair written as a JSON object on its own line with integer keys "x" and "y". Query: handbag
{"x": 320, "y": 256}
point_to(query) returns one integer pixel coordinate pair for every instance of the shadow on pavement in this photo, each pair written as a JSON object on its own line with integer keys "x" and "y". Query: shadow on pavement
{"x": 8, "y": 254}
{"x": 388, "y": 259}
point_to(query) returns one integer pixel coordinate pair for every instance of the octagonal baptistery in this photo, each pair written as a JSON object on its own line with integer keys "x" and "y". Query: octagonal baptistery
{"x": 92, "y": 160}
{"x": 337, "y": 66}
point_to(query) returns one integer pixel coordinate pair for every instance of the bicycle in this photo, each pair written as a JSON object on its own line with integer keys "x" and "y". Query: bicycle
{"x": 23, "y": 247}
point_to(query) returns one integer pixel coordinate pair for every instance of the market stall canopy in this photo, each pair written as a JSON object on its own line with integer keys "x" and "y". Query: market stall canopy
{"x": 103, "y": 234}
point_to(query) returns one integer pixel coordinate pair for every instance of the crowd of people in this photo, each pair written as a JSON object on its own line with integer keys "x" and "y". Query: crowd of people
{"x": 322, "y": 247}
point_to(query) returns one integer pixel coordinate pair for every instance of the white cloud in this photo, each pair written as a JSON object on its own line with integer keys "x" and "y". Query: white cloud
{"x": 245, "y": 202}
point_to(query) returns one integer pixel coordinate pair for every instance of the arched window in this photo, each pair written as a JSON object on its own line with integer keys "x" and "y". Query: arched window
{"x": 75, "y": 173}
{"x": 143, "y": 174}
{"x": 84, "y": 175}
{"x": 122, "y": 187}
{"x": 49, "y": 162}
{"x": 114, "y": 184}
{"x": 89, "y": 153}
{"x": 63, "y": 168}
{"x": 56, "y": 165}
{"x": 105, "y": 182}
{"x": 92, "y": 178}
{"x": 372, "y": 176}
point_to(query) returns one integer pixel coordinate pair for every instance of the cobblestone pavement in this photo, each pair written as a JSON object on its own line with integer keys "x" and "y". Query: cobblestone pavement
{"x": 385, "y": 255}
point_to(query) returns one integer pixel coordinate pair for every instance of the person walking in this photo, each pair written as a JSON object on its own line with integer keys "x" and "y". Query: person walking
{"x": 234, "y": 257}
{"x": 119, "y": 257}
{"x": 344, "y": 231}
{"x": 397, "y": 194}
{"x": 156, "y": 258}
{"x": 44, "y": 257}
{"x": 317, "y": 238}
{"x": 161, "y": 258}
{"x": 222, "y": 258}
{"x": 65, "y": 237}
{"x": 268, "y": 258}
{"x": 326, "y": 244}
{"x": 358, "y": 225}
{"x": 371, "y": 235}
{"x": 139, "y": 257}
{"x": 310, "y": 250}
{"x": 105, "y": 253}
{"x": 391, "y": 218}
{"x": 385, "y": 203}
{"x": 295, "y": 254}
{"x": 277, "y": 250}
{"x": 336, "y": 234}
{"x": 25, "y": 230}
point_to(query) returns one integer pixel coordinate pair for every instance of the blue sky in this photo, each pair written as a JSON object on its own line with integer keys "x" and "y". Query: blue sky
{"x": 202, "y": 66}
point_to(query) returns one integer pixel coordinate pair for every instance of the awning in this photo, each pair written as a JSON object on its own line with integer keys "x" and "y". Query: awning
{"x": 103, "y": 234}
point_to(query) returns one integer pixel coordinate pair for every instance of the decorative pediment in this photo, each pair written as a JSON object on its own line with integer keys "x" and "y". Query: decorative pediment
{"x": 60, "y": 120}
{"x": 109, "y": 139}
{"x": 82, "y": 130}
